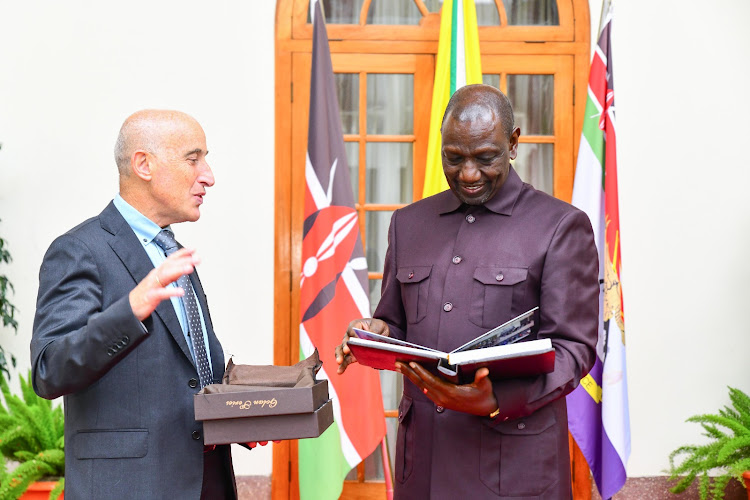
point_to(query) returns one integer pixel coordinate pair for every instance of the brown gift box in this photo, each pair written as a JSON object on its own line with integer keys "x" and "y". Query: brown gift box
{"x": 237, "y": 413}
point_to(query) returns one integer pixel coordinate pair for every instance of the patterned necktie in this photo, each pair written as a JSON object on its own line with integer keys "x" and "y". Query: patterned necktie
{"x": 165, "y": 240}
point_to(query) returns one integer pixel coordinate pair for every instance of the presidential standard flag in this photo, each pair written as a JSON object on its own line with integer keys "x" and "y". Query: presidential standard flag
{"x": 598, "y": 415}
{"x": 333, "y": 286}
{"x": 458, "y": 64}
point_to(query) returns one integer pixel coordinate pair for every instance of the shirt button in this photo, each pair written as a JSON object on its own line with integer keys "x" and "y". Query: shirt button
{"x": 521, "y": 426}
{"x": 447, "y": 306}
{"x": 196, "y": 435}
{"x": 192, "y": 383}
{"x": 457, "y": 259}
{"x": 440, "y": 409}
{"x": 499, "y": 277}
{"x": 470, "y": 219}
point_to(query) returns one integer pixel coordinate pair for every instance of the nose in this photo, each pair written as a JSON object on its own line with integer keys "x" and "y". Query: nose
{"x": 469, "y": 173}
{"x": 206, "y": 176}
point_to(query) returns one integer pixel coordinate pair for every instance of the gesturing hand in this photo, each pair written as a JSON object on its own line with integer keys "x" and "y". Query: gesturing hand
{"x": 344, "y": 356}
{"x": 147, "y": 294}
{"x": 476, "y": 398}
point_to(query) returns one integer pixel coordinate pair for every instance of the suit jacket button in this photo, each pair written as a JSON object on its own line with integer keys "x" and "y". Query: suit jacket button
{"x": 440, "y": 409}
{"x": 125, "y": 340}
{"x": 447, "y": 307}
{"x": 110, "y": 352}
{"x": 196, "y": 435}
{"x": 193, "y": 383}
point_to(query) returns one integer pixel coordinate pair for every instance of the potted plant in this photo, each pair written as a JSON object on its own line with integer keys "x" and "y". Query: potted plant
{"x": 727, "y": 451}
{"x": 7, "y": 309}
{"x": 32, "y": 434}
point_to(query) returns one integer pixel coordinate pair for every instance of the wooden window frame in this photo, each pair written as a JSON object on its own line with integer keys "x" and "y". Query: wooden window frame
{"x": 294, "y": 36}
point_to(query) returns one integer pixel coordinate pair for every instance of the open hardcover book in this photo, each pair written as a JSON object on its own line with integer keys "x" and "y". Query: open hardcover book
{"x": 497, "y": 349}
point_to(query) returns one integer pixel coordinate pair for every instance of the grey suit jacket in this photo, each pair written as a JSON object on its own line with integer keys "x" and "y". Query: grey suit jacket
{"x": 130, "y": 430}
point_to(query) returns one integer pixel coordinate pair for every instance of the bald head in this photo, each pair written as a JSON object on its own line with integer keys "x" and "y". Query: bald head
{"x": 473, "y": 101}
{"x": 147, "y": 130}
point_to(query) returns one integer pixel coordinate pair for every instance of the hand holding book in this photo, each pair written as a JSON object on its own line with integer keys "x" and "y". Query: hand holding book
{"x": 476, "y": 398}
{"x": 344, "y": 356}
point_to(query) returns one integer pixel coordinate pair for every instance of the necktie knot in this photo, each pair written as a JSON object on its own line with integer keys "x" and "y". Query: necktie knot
{"x": 165, "y": 240}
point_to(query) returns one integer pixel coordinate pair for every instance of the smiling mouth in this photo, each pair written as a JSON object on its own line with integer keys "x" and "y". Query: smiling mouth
{"x": 473, "y": 189}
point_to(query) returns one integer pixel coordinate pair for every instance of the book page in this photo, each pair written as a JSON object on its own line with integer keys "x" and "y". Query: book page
{"x": 507, "y": 333}
{"x": 364, "y": 334}
{"x": 529, "y": 348}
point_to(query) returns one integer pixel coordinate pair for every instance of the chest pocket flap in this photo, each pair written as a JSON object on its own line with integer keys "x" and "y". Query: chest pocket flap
{"x": 500, "y": 275}
{"x": 413, "y": 274}
{"x": 414, "y": 289}
{"x": 495, "y": 291}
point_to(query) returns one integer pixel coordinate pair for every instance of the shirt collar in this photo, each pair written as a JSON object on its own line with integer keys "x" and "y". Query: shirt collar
{"x": 502, "y": 203}
{"x": 143, "y": 227}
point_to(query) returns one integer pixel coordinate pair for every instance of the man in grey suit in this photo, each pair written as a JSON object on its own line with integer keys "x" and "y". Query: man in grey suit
{"x": 113, "y": 336}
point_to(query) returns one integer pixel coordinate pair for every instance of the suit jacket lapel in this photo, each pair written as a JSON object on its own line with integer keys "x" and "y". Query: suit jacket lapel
{"x": 135, "y": 259}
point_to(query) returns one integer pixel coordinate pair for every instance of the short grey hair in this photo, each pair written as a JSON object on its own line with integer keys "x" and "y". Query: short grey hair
{"x": 144, "y": 130}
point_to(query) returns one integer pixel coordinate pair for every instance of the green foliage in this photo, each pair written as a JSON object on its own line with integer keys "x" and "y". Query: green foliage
{"x": 32, "y": 434}
{"x": 7, "y": 309}
{"x": 727, "y": 451}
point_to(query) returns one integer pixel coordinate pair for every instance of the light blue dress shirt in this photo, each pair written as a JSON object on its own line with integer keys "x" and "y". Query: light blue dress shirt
{"x": 146, "y": 230}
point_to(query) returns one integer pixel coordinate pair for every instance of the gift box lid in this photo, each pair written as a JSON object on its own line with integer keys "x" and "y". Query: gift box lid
{"x": 258, "y": 401}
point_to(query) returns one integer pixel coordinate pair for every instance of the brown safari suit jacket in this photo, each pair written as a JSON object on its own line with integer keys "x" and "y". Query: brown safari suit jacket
{"x": 453, "y": 272}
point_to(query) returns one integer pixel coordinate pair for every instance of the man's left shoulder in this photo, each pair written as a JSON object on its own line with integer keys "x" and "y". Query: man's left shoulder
{"x": 540, "y": 203}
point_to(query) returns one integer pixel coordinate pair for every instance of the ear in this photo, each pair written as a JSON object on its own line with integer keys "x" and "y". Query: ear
{"x": 513, "y": 143}
{"x": 140, "y": 164}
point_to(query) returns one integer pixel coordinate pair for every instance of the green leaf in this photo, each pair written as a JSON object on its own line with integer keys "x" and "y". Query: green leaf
{"x": 57, "y": 490}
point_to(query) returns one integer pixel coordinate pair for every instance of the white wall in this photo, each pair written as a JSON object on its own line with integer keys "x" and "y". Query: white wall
{"x": 680, "y": 75}
{"x": 72, "y": 72}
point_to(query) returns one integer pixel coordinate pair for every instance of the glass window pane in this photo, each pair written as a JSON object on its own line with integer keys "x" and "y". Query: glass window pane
{"x": 487, "y": 13}
{"x": 535, "y": 165}
{"x": 533, "y": 98}
{"x": 389, "y": 172}
{"x": 393, "y": 12}
{"x": 347, "y": 90}
{"x": 532, "y": 12}
{"x": 433, "y": 5}
{"x": 493, "y": 80}
{"x": 338, "y": 12}
{"x": 376, "y": 234}
{"x": 352, "y": 158}
{"x": 390, "y": 104}
{"x": 375, "y": 286}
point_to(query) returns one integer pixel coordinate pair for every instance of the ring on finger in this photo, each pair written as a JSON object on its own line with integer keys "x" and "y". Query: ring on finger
{"x": 158, "y": 280}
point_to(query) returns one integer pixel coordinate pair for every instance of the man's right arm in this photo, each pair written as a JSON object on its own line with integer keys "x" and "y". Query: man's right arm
{"x": 76, "y": 340}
